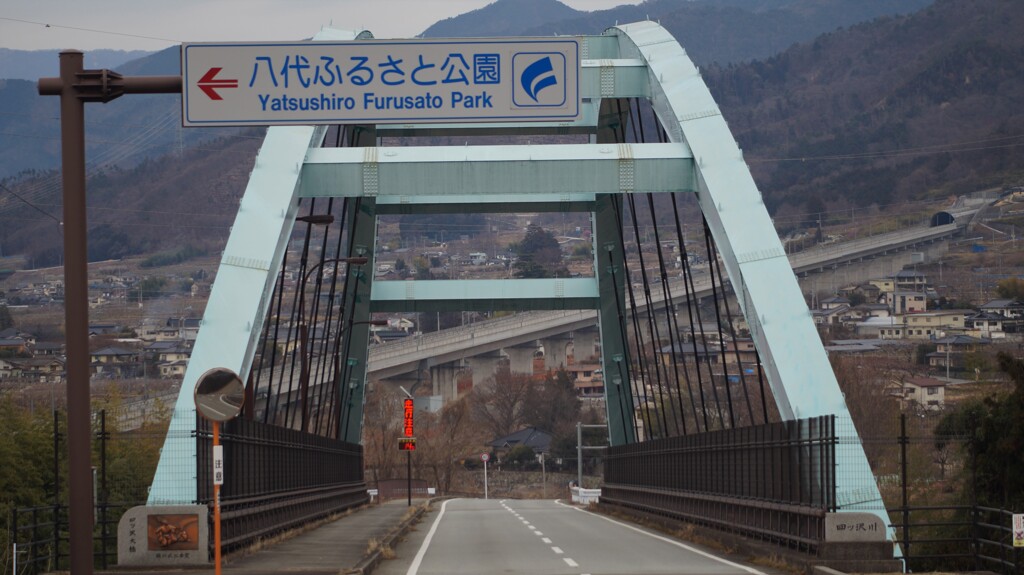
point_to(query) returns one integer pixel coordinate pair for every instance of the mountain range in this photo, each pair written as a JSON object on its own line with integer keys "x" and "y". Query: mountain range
{"x": 834, "y": 102}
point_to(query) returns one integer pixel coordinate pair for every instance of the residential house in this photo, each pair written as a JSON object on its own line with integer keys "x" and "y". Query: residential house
{"x": 927, "y": 392}
{"x": 952, "y": 351}
{"x": 13, "y": 347}
{"x": 115, "y": 362}
{"x": 830, "y": 315}
{"x": 169, "y": 357}
{"x": 539, "y": 441}
{"x": 740, "y": 350}
{"x": 986, "y": 324}
{"x": 587, "y": 378}
{"x": 881, "y": 328}
{"x": 689, "y": 352}
{"x": 179, "y": 328}
{"x": 172, "y": 369}
{"x": 7, "y": 368}
{"x": 834, "y": 302}
{"x": 906, "y": 302}
{"x": 48, "y": 349}
{"x": 910, "y": 280}
{"x": 935, "y": 324}
{"x": 866, "y": 310}
{"x": 13, "y": 333}
{"x": 104, "y": 329}
{"x": 1008, "y": 308}
{"x": 42, "y": 370}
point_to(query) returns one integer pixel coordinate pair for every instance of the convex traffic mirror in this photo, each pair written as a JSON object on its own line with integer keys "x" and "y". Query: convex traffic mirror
{"x": 219, "y": 395}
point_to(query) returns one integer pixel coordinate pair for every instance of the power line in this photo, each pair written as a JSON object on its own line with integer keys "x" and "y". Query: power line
{"x": 30, "y": 204}
{"x": 93, "y": 30}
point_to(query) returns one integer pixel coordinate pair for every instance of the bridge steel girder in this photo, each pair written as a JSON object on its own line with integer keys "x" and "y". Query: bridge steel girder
{"x": 362, "y": 225}
{"x": 610, "y": 266}
{"x": 239, "y": 298}
{"x": 541, "y": 174}
{"x": 484, "y": 295}
{"x": 795, "y": 362}
{"x": 240, "y": 295}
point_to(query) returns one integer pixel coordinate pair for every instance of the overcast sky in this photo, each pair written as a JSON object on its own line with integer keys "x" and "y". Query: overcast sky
{"x": 149, "y": 25}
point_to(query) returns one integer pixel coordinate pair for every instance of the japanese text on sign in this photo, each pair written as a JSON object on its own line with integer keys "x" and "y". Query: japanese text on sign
{"x": 407, "y": 414}
{"x": 218, "y": 465}
{"x": 380, "y": 81}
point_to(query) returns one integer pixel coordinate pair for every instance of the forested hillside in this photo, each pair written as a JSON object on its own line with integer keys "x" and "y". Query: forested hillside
{"x": 901, "y": 108}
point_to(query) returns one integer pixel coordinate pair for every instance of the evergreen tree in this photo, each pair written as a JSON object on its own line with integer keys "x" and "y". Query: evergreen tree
{"x": 539, "y": 255}
{"x": 6, "y": 321}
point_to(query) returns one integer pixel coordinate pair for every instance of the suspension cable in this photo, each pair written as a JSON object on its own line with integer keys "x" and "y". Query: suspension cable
{"x": 716, "y": 282}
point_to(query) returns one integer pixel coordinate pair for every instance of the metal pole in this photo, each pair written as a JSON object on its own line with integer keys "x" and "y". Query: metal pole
{"x": 216, "y": 506}
{"x": 408, "y": 475}
{"x": 485, "y": 479}
{"x": 579, "y": 455}
{"x": 543, "y": 477}
{"x": 903, "y": 472}
{"x": 76, "y": 313}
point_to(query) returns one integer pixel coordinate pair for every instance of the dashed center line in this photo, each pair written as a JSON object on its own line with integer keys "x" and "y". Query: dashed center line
{"x": 557, "y": 550}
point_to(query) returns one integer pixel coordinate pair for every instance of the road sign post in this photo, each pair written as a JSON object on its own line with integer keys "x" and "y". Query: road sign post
{"x": 408, "y": 411}
{"x": 219, "y": 395}
{"x": 381, "y": 82}
{"x": 484, "y": 457}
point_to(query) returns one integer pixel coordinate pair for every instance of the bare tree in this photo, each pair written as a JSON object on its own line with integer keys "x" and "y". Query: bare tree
{"x": 499, "y": 404}
{"x": 444, "y": 440}
{"x": 383, "y": 411}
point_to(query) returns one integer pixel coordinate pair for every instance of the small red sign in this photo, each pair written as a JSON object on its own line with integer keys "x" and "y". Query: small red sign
{"x": 407, "y": 444}
{"x": 407, "y": 429}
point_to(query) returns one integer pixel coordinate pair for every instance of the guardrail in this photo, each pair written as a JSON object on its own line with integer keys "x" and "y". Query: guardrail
{"x": 278, "y": 478}
{"x": 774, "y": 482}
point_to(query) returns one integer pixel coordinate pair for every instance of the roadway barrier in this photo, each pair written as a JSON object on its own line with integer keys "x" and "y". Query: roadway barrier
{"x": 277, "y": 478}
{"x": 774, "y": 482}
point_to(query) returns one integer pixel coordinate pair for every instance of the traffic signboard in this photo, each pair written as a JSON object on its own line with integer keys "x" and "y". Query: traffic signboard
{"x": 407, "y": 417}
{"x": 484, "y": 457}
{"x": 380, "y": 82}
{"x": 407, "y": 444}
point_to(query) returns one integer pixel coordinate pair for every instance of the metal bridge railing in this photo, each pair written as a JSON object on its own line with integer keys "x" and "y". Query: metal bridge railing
{"x": 774, "y": 482}
{"x": 278, "y": 478}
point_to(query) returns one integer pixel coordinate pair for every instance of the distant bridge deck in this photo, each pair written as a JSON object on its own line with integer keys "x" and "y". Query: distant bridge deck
{"x": 413, "y": 353}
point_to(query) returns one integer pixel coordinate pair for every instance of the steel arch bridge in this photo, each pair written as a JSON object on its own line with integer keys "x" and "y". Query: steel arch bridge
{"x": 691, "y": 152}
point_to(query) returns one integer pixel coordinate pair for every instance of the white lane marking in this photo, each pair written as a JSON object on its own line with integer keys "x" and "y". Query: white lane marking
{"x": 538, "y": 533}
{"x": 570, "y": 562}
{"x": 414, "y": 568}
{"x": 546, "y": 540}
{"x": 557, "y": 550}
{"x": 667, "y": 540}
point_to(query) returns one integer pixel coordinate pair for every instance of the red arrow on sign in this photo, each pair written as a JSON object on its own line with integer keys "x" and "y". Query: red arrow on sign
{"x": 209, "y": 84}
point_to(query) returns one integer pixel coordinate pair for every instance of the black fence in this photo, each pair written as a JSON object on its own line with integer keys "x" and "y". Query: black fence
{"x": 937, "y": 522}
{"x": 773, "y": 481}
{"x": 277, "y": 478}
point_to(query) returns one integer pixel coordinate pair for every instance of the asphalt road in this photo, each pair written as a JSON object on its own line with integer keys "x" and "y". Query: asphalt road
{"x": 531, "y": 537}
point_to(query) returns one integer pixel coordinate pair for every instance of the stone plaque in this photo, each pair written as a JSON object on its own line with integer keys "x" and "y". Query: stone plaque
{"x": 163, "y": 536}
{"x": 846, "y": 527}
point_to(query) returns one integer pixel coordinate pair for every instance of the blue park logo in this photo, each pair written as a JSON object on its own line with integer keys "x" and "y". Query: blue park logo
{"x": 540, "y": 79}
